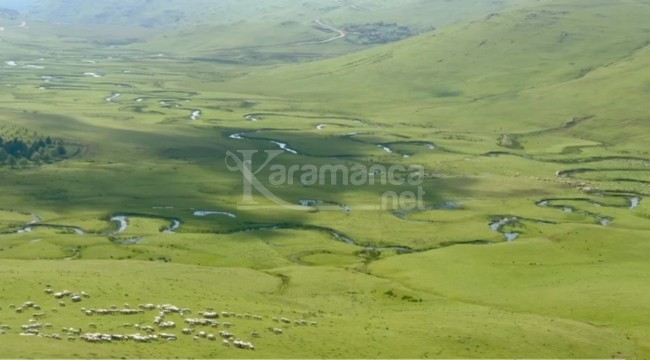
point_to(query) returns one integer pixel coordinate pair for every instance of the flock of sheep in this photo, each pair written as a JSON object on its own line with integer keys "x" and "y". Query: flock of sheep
{"x": 199, "y": 327}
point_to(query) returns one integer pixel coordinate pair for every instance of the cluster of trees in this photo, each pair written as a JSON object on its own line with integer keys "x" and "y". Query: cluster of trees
{"x": 378, "y": 33}
{"x": 20, "y": 152}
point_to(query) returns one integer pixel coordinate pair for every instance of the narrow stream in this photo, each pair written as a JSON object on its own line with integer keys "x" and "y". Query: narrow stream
{"x": 113, "y": 97}
{"x": 285, "y": 147}
{"x": 204, "y": 213}
{"x": 123, "y": 222}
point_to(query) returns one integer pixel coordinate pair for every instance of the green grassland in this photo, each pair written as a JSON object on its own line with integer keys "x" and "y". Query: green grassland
{"x": 287, "y": 31}
{"x": 530, "y": 125}
{"x": 250, "y": 32}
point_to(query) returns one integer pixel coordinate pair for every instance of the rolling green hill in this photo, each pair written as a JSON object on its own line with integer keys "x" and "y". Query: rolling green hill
{"x": 8, "y": 14}
{"x": 501, "y": 65}
{"x": 145, "y": 13}
{"x": 159, "y": 13}
{"x": 528, "y": 122}
{"x": 279, "y": 31}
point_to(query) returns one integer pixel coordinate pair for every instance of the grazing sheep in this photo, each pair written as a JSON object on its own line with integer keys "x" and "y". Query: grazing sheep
{"x": 61, "y": 303}
{"x": 127, "y": 312}
{"x": 32, "y": 332}
{"x": 226, "y": 335}
{"x": 168, "y": 337}
{"x": 241, "y": 344}
{"x": 211, "y": 337}
{"x": 202, "y": 322}
{"x": 169, "y": 309}
{"x": 210, "y": 315}
{"x": 277, "y": 331}
{"x": 142, "y": 339}
{"x": 167, "y": 325}
{"x": 148, "y": 329}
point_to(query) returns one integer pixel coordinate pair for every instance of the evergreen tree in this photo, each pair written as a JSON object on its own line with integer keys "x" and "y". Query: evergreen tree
{"x": 11, "y": 161}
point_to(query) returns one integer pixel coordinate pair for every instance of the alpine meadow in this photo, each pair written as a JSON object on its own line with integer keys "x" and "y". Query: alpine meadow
{"x": 325, "y": 179}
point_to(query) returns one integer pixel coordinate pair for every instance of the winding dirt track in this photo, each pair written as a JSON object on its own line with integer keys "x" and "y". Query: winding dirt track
{"x": 340, "y": 34}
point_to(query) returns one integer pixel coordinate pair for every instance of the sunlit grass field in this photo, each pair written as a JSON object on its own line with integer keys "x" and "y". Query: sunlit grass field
{"x": 532, "y": 241}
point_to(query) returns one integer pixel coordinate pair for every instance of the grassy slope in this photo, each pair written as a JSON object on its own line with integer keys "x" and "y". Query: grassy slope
{"x": 254, "y": 33}
{"x": 481, "y": 301}
{"x": 274, "y": 25}
{"x": 534, "y": 68}
{"x": 345, "y": 305}
{"x": 571, "y": 273}
{"x": 139, "y": 12}
{"x": 487, "y": 71}
{"x": 120, "y": 12}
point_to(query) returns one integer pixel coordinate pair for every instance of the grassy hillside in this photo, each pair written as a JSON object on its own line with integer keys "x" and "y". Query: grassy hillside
{"x": 290, "y": 31}
{"x": 272, "y": 32}
{"x": 159, "y": 13}
{"x": 506, "y": 64}
{"x": 529, "y": 124}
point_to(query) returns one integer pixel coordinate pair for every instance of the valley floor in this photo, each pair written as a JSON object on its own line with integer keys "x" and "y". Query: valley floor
{"x": 530, "y": 238}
